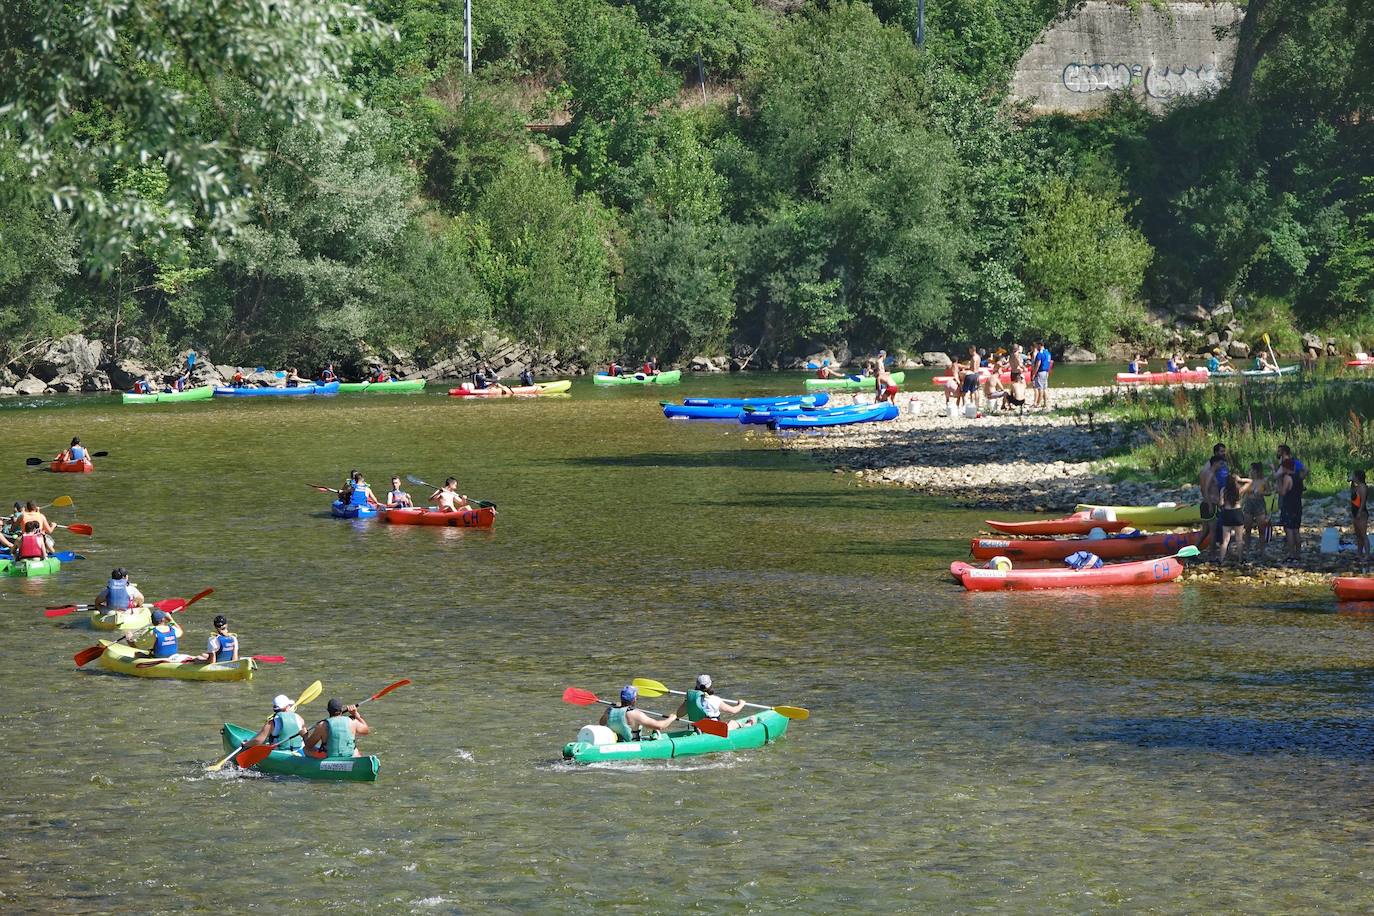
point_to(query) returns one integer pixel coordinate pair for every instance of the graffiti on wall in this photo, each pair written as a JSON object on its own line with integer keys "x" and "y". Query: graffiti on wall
{"x": 1159, "y": 82}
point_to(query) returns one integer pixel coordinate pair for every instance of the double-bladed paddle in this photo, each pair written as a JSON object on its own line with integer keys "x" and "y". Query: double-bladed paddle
{"x": 580, "y": 697}
{"x": 788, "y": 712}
{"x": 78, "y": 528}
{"x": 474, "y": 503}
{"x": 35, "y": 462}
{"x": 258, "y": 753}
{"x": 170, "y": 605}
{"x": 91, "y": 653}
{"x": 260, "y": 659}
{"x": 308, "y": 694}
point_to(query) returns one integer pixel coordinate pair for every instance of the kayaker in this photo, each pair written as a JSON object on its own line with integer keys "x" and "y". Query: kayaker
{"x": 824, "y": 370}
{"x": 526, "y": 377}
{"x": 337, "y": 736}
{"x": 14, "y": 523}
{"x": 1138, "y": 365}
{"x": 479, "y": 379}
{"x": 381, "y": 376}
{"x": 222, "y": 646}
{"x": 627, "y": 721}
{"x": 32, "y": 544}
{"x": 494, "y": 381}
{"x": 398, "y": 498}
{"x": 294, "y": 380}
{"x": 182, "y": 381}
{"x": 73, "y": 452}
{"x": 284, "y": 728}
{"x": 327, "y": 374}
{"x": 237, "y": 380}
{"x": 143, "y": 386}
{"x": 701, "y": 702}
{"x": 32, "y": 513}
{"x": 447, "y": 498}
{"x": 166, "y": 631}
{"x": 119, "y": 594}
{"x": 359, "y": 493}
{"x": 650, "y": 365}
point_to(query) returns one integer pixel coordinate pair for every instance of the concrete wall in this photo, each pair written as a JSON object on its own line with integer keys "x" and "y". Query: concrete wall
{"x": 1107, "y": 47}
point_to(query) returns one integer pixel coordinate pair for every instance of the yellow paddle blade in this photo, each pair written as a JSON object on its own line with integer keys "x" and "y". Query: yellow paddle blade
{"x": 62, "y": 501}
{"x": 309, "y": 693}
{"x": 644, "y": 683}
{"x": 1266, "y": 339}
{"x": 649, "y": 692}
{"x": 793, "y": 712}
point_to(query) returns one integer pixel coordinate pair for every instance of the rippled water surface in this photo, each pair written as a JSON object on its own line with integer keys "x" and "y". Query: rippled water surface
{"x": 1176, "y": 749}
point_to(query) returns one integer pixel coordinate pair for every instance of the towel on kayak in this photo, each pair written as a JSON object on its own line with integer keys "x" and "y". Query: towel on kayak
{"x": 1083, "y": 560}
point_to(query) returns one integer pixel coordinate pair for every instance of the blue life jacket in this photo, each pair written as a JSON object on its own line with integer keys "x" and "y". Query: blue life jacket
{"x": 227, "y": 643}
{"x": 1213, "y": 364}
{"x": 164, "y": 642}
{"x": 1133, "y": 367}
{"x": 118, "y": 594}
{"x": 359, "y": 497}
{"x": 78, "y": 453}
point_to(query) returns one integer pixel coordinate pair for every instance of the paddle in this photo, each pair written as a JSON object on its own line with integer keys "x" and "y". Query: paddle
{"x": 306, "y": 696}
{"x": 170, "y": 605}
{"x": 260, "y": 659}
{"x": 61, "y": 502}
{"x": 35, "y": 462}
{"x": 580, "y": 697}
{"x": 1274, "y": 359}
{"x": 474, "y": 503}
{"x": 315, "y": 486}
{"x": 78, "y": 528}
{"x": 91, "y": 653}
{"x": 257, "y": 754}
{"x": 789, "y": 712}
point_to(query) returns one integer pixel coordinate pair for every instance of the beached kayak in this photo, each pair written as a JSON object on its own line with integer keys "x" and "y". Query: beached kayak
{"x": 464, "y": 518}
{"x": 671, "y": 377}
{"x": 755, "y": 731}
{"x": 701, "y": 411}
{"x": 399, "y": 386}
{"x": 836, "y": 416}
{"x": 1353, "y": 588}
{"x": 126, "y": 660}
{"x": 851, "y": 382}
{"x": 280, "y": 763}
{"x": 819, "y": 399}
{"x": 18, "y": 569}
{"x": 1109, "y": 548}
{"x": 1141, "y": 572}
{"x": 203, "y": 393}
{"x": 766, "y": 415}
{"x": 300, "y": 391}
{"x": 1360, "y": 361}
{"x": 466, "y": 390}
{"x": 1162, "y": 378}
{"x": 84, "y": 466}
{"x": 339, "y": 509}
{"x": 135, "y": 618}
{"x": 1080, "y": 523}
{"x": 1137, "y": 516}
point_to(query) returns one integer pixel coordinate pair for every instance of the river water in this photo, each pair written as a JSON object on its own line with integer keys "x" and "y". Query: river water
{"x": 1176, "y": 749}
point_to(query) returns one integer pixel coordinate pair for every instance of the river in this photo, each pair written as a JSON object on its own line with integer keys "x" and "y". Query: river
{"x": 1183, "y": 748}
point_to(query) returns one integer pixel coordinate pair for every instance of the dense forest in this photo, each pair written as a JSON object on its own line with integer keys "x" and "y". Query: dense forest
{"x": 291, "y": 180}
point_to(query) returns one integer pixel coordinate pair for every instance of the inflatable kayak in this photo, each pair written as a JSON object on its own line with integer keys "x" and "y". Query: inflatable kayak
{"x": 1141, "y": 572}
{"x": 463, "y": 518}
{"x": 851, "y": 382}
{"x": 671, "y": 377}
{"x": 300, "y": 391}
{"x": 1257, "y": 373}
{"x": 17, "y": 569}
{"x": 837, "y": 416}
{"x": 1361, "y": 361}
{"x": 1108, "y": 548}
{"x": 84, "y": 466}
{"x": 280, "y": 763}
{"x": 1353, "y": 588}
{"x": 701, "y": 411}
{"x": 1081, "y": 523}
{"x": 339, "y": 509}
{"x": 203, "y": 393}
{"x": 766, "y": 415}
{"x": 135, "y": 618}
{"x": 126, "y": 659}
{"x": 393, "y": 387}
{"x": 1162, "y": 378}
{"x": 466, "y": 390}
{"x": 1161, "y": 514}
{"x": 755, "y": 731}
{"x": 819, "y": 399}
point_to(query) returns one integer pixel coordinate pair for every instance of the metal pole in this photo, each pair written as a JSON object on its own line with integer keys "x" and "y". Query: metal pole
{"x": 467, "y": 34}
{"x": 921, "y": 24}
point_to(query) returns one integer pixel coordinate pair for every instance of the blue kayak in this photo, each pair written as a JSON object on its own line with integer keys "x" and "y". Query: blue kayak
{"x": 701, "y": 411}
{"x": 767, "y": 415}
{"x": 298, "y": 392}
{"x": 341, "y": 510}
{"x": 839, "y": 416}
{"x": 818, "y": 399}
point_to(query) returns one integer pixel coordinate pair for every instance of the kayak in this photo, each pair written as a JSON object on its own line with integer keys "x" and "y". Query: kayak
{"x": 125, "y": 660}
{"x": 1141, "y": 572}
{"x": 1072, "y": 524}
{"x": 819, "y": 399}
{"x": 671, "y": 377}
{"x": 1353, "y": 588}
{"x": 393, "y": 387}
{"x": 838, "y": 416}
{"x": 851, "y": 382}
{"x": 463, "y": 518}
{"x": 339, "y": 509}
{"x": 755, "y": 731}
{"x": 280, "y": 763}
{"x": 299, "y": 391}
{"x": 135, "y": 618}
{"x": 701, "y": 411}
{"x": 203, "y": 393}
{"x": 30, "y": 568}
{"x": 1257, "y": 373}
{"x": 1162, "y": 378}
{"x": 466, "y": 391}
{"x": 1361, "y": 361}
{"x": 765, "y": 415}
{"x": 1161, "y": 514}
{"x": 1108, "y": 548}
{"x": 84, "y": 466}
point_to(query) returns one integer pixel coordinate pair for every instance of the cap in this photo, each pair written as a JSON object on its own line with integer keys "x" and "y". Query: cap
{"x": 159, "y": 615}
{"x": 281, "y": 702}
{"x": 703, "y": 682}
{"x": 628, "y": 694}
{"x": 221, "y": 621}
{"x": 335, "y": 707}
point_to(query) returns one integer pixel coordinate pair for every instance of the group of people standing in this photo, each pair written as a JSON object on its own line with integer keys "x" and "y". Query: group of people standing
{"x": 1240, "y": 510}
{"x": 983, "y": 374}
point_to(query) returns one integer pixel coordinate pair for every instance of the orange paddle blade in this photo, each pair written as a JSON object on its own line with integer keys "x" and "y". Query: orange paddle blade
{"x": 579, "y": 697}
{"x": 199, "y": 595}
{"x": 712, "y": 727}
{"x": 88, "y": 655}
{"x": 60, "y": 611}
{"x": 385, "y": 690}
{"x": 254, "y": 755}
{"x": 79, "y": 528}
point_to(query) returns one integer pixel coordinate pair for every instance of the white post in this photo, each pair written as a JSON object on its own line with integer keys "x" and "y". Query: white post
{"x": 467, "y": 35}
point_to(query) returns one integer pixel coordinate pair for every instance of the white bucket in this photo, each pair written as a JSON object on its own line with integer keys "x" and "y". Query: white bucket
{"x": 1103, "y": 514}
{"x": 971, "y": 411}
{"x": 953, "y": 411}
{"x": 595, "y": 734}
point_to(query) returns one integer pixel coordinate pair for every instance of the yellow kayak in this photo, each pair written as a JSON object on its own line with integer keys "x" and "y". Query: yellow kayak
{"x": 1162, "y": 514}
{"x": 126, "y": 660}
{"x": 135, "y": 618}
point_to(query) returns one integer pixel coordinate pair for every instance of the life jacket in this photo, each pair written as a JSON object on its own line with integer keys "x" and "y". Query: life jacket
{"x": 479, "y": 379}
{"x": 164, "y": 642}
{"x": 823, "y": 372}
{"x": 118, "y": 597}
{"x": 527, "y": 378}
{"x": 1133, "y": 367}
{"x": 397, "y": 496}
{"x": 77, "y": 453}
{"x": 179, "y": 384}
{"x": 226, "y": 644}
{"x": 359, "y": 497}
{"x": 340, "y": 742}
{"x": 648, "y": 368}
{"x": 615, "y": 721}
{"x": 31, "y": 546}
{"x": 696, "y": 706}
{"x": 287, "y": 723}
{"x": 326, "y": 376}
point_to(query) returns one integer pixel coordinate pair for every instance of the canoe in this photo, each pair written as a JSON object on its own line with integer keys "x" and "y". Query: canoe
{"x": 394, "y": 387}
{"x": 203, "y": 393}
{"x": 1353, "y": 588}
{"x": 1162, "y": 378}
{"x": 1360, "y": 362}
{"x": 299, "y": 391}
{"x": 464, "y": 518}
{"x": 340, "y": 510}
{"x": 84, "y": 466}
{"x": 135, "y": 618}
{"x": 1071, "y": 524}
{"x": 1161, "y": 514}
{"x": 280, "y": 763}
{"x": 1257, "y": 373}
{"x": 766, "y": 415}
{"x": 524, "y": 390}
{"x": 819, "y": 399}
{"x": 1108, "y": 548}
{"x": 17, "y": 569}
{"x": 851, "y": 383}
{"x": 837, "y": 416}
{"x": 671, "y": 377}
{"x": 124, "y": 659}
{"x": 1140, "y": 572}
{"x": 755, "y": 731}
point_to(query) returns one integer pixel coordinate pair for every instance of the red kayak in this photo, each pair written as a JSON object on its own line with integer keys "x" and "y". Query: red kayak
{"x": 463, "y": 518}
{"x": 1141, "y": 572}
{"x": 1078, "y": 523}
{"x": 1155, "y": 545}
{"x": 83, "y": 466}
{"x": 494, "y": 392}
{"x": 1162, "y": 378}
{"x": 1353, "y": 588}
{"x": 1360, "y": 363}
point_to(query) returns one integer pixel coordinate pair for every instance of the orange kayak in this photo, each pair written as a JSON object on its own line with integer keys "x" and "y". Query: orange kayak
{"x": 1154, "y": 545}
{"x": 1353, "y": 588}
{"x": 84, "y": 466}
{"x": 1141, "y": 572}
{"x": 1080, "y": 523}
{"x": 463, "y": 518}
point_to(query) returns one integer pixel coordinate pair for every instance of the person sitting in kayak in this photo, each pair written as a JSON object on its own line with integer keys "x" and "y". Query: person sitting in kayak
{"x": 526, "y": 378}
{"x": 14, "y": 523}
{"x": 701, "y": 702}
{"x": 447, "y": 498}
{"x": 73, "y": 452}
{"x": 1263, "y": 364}
{"x": 119, "y": 594}
{"x": 337, "y": 736}
{"x": 32, "y": 513}
{"x": 1171, "y": 364}
{"x": 381, "y": 376}
{"x": 182, "y": 382}
{"x": 479, "y": 379}
{"x": 327, "y": 374}
{"x": 166, "y": 631}
{"x": 1138, "y": 365}
{"x": 222, "y": 646}
{"x": 824, "y": 370}
{"x": 359, "y": 493}
{"x": 32, "y": 544}
{"x": 650, "y": 365}
{"x": 143, "y": 386}
{"x": 294, "y": 380}
{"x": 284, "y": 728}
{"x": 398, "y": 498}
{"x": 627, "y": 721}
{"x": 237, "y": 380}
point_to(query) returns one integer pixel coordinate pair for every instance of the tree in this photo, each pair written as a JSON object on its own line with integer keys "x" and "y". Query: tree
{"x": 678, "y": 287}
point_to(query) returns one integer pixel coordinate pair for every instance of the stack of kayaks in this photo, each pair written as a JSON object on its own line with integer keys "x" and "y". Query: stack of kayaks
{"x": 125, "y": 659}
{"x": 735, "y": 408}
{"x": 281, "y": 763}
{"x": 1162, "y": 378}
{"x": 1111, "y": 547}
{"x": 671, "y": 377}
{"x": 84, "y": 466}
{"x": 396, "y": 386}
{"x": 29, "y": 568}
{"x": 341, "y": 509}
{"x": 300, "y": 391}
{"x": 836, "y": 416}
{"x": 203, "y": 393}
{"x": 467, "y": 390}
{"x": 463, "y": 518}
{"x": 851, "y": 382}
{"x": 755, "y": 731}
{"x": 1141, "y": 572}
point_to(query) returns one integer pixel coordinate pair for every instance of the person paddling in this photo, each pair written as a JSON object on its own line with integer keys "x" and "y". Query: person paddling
{"x": 337, "y": 736}
{"x": 627, "y": 721}
{"x": 32, "y": 544}
{"x": 73, "y": 452}
{"x": 143, "y": 386}
{"x": 237, "y": 380}
{"x": 447, "y": 498}
{"x": 119, "y": 594}
{"x": 359, "y": 493}
{"x": 294, "y": 380}
{"x": 166, "y": 633}
{"x": 398, "y": 498}
{"x": 223, "y": 646}
{"x": 701, "y": 702}
{"x": 327, "y": 374}
{"x": 284, "y": 728}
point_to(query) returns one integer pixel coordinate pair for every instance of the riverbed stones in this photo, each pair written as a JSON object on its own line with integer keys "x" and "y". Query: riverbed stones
{"x": 1078, "y": 355}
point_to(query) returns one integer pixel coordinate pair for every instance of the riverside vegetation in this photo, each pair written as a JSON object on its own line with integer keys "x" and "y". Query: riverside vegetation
{"x": 667, "y": 176}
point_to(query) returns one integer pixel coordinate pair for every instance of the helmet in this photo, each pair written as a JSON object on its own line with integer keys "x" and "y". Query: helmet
{"x": 628, "y": 694}
{"x": 703, "y": 682}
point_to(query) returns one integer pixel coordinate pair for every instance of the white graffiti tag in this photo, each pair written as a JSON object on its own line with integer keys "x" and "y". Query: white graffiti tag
{"x": 1098, "y": 77}
{"x": 1164, "y": 83}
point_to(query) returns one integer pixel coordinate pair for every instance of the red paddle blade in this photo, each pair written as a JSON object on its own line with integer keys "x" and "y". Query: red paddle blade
{"x": 712, "y": 727}
{"x": 171, "y": 605}
{"x": 253, "y": 755}
{"x": 269, "y": 659}
{"x": 578, "y": 697}
{"x": 88, "y": 655}
{"x": 81, "y": 529}
{"x": 387, "y": 689}
{"x": 199, "y": 595}
{"x": 60, "y": 611}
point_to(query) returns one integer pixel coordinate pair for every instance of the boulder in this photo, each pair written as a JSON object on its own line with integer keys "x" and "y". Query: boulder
{"x": 818, "y": 354}
{"x": 1312, "y": 342}
{"x": 1238, "y": 349}
{"x": 70, "y": 355}
{"x": 702, "y": 364}
{"x": 1078, "y": 355}
{"x": 65, "y": 383}
{"x": 129, "y": 347}
{"x": 7, "y": 392}
{"x": 938, "y": 360}
{"x": 28, "y": 385}
{"x": 125, "y": 371}
{"x": 96, "y": 381}
{"x": 1222, "y": 311}
{"x": 1213, "y": 340}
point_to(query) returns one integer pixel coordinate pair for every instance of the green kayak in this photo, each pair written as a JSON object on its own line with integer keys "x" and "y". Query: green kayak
{"x": 846, "y": 383}
{"x": 671, "y": 377}
{"x": 204, "y": 393}
{"x": 280, "y": 763}
{"x": 755, "y": 731}
{"x": 415, "y": 384}
{"x": 18, "y": 568}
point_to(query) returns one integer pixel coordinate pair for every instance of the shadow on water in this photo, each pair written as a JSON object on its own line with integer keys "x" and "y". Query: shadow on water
{"x": 1334, "y": 679}
{"x": 1340, "y": 738}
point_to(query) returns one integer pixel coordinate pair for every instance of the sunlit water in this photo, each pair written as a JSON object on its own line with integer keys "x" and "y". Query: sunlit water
{"x": 1179, "y": 748}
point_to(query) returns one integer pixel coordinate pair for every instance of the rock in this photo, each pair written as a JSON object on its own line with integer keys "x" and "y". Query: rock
{"x": 29, "y": 385}
{"x": 1221, "y": 311}
{"x": 908, "y": 364}
{"x": 1238, "y": 349}
{"x": 1312, "y": 342}
{"x": 1078, "y": 355}
{"x": 65, "y": 383}
{"x": 129, "y": 347}
{"x": 96, "y": 381}
{"x": 71, "y": 355}
{"x": 938, "y": 360}
{"x": 7, "y": 392}
{"x": 124, "y": 372}
{"x": 1214, "y": 340}
{"x": 702, "y": 364}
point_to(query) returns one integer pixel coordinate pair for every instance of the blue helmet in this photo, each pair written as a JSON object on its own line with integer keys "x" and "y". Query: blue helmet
{"x": 628, "y": 694}
{"x": 159, "y": 615}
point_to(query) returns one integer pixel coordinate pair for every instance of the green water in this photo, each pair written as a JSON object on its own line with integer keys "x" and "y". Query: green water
{"x": 1177, "y": 749}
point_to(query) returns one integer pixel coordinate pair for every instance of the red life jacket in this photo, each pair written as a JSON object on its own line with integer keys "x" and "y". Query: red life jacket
{"x": 30, "y": 547}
